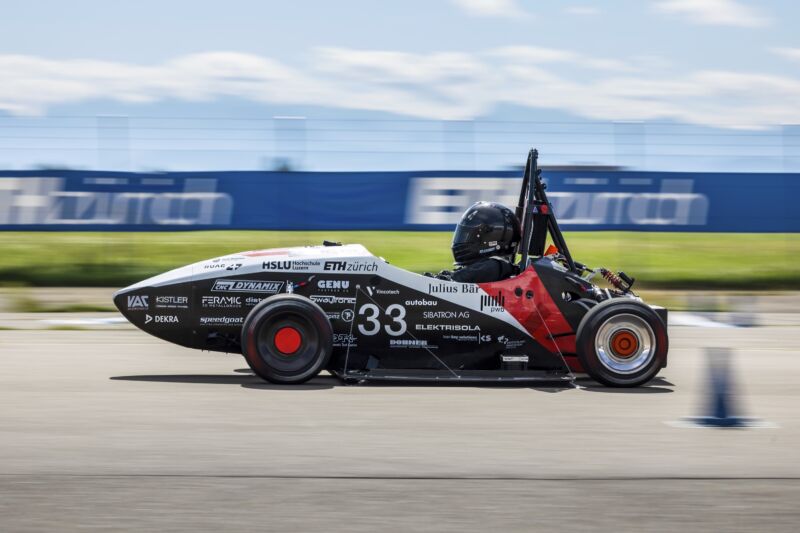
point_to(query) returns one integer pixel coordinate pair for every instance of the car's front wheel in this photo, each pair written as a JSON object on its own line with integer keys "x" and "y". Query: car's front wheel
{"x": 622, "y": 343}
{"x": 287, "y": 339}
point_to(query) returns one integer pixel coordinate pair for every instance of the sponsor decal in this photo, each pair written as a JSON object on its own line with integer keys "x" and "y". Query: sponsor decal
{"x": 344, "y": 266}
{"x": 333, "y": 284}
{"x": 461, "y": 338}
{"x": 385, "y": 291}
{"x": 331, "y": 299}
{"x": 245, "y": 285}
{"x": 493, "y": 304}
{"x": 223, "y": 266}
{"x": 446, "y": 327}
{"x": 510, "y": 343}
{"x": 515, "y": 358}
{"x": 346, "y": 315}
{"x": 437, "y": 315}
{"x": 172, "y": 302}
{"x": 295, "y": 265}
{"x": 221, "y": 301}
{"x": 252, "y": 300}
{"x": 344, "y": 339}
{"x": 411, "y": 343}
{"x": 138, "y": 302}
{"x": 221, "y": 320}
{"x": 469, "y": 288}
{"x": 442, "y": 288}
{"x": 161, "y": 319}
{"x": 276, "y": 265}
{"x": 422, "y": 302}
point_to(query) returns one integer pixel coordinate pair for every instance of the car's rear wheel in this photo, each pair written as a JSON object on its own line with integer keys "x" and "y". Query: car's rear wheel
{"x": 622, "y": 343}
{"x": 287, "y": 339}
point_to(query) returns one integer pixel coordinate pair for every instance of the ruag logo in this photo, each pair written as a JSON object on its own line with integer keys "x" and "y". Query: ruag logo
{"x": 333, "y": 284}
{"x": 138, "y": 302}
{"x": 245, "y": 285}
{"x": 493, "y": 304}
{"x": 221, "y": 301}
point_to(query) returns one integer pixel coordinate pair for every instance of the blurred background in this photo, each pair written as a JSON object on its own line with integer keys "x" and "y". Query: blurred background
{"x": 136, "y": 137}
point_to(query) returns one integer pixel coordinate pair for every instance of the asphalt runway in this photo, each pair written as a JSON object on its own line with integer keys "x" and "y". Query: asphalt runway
{"x": 116, "y": 430}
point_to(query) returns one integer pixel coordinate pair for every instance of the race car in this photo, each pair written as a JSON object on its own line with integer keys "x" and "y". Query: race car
{"x": 294, "y": 312}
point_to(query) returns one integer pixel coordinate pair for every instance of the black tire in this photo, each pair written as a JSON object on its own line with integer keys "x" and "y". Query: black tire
{"x": 612, "y": 342}
{"x": 287, "y": 339}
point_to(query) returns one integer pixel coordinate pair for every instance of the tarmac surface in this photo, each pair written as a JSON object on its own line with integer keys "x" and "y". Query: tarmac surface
{"x": 115, "y": 430}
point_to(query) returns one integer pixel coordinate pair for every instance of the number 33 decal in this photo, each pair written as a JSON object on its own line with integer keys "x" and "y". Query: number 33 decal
{"x": 371, "y": 312}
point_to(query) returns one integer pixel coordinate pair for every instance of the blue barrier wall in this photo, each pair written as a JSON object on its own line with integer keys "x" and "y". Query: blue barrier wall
{"x": 431, "y": 200}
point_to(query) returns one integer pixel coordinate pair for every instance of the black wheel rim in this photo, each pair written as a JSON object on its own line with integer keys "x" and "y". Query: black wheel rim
{"x": 280, "y": 355}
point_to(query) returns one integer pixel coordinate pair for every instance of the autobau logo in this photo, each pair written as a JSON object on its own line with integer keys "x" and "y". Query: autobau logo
{"x": 245, "y": 285}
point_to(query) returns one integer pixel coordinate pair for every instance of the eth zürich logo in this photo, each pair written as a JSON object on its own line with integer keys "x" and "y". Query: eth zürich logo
{"x": 443, "y": 200}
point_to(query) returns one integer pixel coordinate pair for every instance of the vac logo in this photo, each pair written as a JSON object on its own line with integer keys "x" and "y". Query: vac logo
{"x": 244, "y": 285}
{"x": 493, "y": 304}
{"x": 138, "y": 302}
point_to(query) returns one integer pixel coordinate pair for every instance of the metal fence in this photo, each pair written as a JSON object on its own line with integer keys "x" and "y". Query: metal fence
{"x": 354, "y": 144}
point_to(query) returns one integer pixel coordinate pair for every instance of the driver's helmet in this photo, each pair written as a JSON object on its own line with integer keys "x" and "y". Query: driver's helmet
{"x": 485, "y": 229}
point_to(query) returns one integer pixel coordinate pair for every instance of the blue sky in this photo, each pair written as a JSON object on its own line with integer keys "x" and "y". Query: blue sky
{"x": 730, "y": 65}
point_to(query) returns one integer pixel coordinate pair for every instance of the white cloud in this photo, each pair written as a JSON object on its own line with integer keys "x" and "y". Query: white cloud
{"x": 714, "y": 12}
{"x": 582, "y": 10}
{"x": 443, "y": 85}
{"x": 490, "y": 8}
{"x": 792, "y": 54}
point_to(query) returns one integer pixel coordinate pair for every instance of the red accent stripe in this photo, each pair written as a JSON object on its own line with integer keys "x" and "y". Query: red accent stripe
{"x": 524, "y": 309}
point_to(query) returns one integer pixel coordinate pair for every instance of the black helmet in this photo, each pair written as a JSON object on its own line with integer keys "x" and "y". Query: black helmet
{"x": 485, "y": 229}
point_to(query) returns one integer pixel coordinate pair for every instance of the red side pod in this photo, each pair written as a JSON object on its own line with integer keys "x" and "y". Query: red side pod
{"x": 513, "y": 294}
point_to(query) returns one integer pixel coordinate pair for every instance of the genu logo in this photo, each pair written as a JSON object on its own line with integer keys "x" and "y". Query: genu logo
{"x": 333, "y": 284}
{"x": 138, "y": 301}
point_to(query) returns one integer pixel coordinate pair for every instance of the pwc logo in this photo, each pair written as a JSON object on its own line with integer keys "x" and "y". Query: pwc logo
{"x": 138, "y": 302}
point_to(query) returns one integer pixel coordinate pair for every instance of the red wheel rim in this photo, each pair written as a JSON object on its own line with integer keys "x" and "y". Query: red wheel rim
{"x": 624, "y": 343}
{"x": 288, "y": 340}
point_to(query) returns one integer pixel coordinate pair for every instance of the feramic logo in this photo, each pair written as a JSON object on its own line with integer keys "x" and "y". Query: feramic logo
{"x": 140, "y": 301}
{"x": 221, "y": 301}
{"x": 244, "y": 285}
